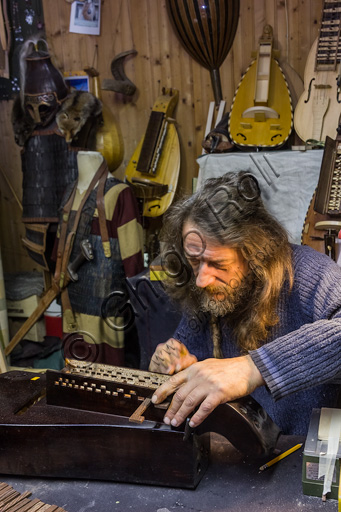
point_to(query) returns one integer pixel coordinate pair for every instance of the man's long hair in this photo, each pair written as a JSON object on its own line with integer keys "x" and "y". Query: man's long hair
{"x": 228, "y": 211}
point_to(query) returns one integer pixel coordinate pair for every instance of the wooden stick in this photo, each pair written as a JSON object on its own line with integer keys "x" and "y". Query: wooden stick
{"x": 44, "y": 303}
{"x": 11, "y": 189}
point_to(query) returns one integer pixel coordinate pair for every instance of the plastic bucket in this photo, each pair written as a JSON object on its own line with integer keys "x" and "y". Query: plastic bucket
{"x": 53, "y": 320}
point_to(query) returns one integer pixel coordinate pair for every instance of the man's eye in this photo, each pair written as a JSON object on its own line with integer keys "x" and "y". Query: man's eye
{"x": 221, "y": 267}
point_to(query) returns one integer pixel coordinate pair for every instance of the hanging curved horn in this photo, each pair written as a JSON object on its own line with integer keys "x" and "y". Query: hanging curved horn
{"x": 121, "y": 83}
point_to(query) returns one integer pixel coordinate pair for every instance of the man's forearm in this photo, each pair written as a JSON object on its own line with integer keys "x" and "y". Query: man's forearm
{"x": 299, "y": 360}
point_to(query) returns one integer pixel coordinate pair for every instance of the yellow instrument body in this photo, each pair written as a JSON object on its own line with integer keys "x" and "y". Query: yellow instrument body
{"x": 168, "y": 164}
{"x": 259, "y": 130}
{"x": 109, "y": 140}
{"x": 261, "y": 112}
{"x": 317, "y": 111}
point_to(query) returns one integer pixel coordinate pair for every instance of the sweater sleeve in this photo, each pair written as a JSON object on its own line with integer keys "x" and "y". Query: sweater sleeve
{"x": 310, "y": 355}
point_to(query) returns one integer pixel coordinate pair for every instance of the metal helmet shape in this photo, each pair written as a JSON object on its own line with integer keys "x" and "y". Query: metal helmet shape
{"x": 43, "y": 86}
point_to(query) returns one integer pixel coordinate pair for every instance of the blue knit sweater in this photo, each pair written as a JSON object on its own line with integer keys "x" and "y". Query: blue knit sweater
{"x": 302, "y": 353}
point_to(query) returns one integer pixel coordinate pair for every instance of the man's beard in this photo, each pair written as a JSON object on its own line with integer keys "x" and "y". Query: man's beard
{"x": 224, "y": 299}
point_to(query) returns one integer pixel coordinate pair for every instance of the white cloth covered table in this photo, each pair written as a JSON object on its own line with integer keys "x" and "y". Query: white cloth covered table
{"x": 287, "y": 180}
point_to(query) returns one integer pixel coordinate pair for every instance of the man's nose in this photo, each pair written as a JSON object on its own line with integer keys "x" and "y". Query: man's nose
{"x": 204, "y": 276}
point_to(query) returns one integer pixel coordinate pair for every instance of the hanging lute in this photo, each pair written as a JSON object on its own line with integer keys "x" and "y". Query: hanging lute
{"x": 261, "y": 112}
{"x": 109, "y": 139}
{"x": 153, "y": 170}
{"x": 206, "y": 29}
{"x": 317, "y": 111}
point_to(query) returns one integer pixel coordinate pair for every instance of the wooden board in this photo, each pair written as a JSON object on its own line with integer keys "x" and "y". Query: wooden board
{"x": 57, "y": 442}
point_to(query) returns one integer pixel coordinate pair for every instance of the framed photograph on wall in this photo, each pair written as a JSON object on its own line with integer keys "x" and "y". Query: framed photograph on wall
{"x": 85, "y": 17}
{"x": 77, "y": 80}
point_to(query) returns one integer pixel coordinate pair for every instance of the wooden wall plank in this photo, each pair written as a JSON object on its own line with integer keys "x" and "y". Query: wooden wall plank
{"x": 270, "y": 8}
{"x": 247, "y": 27}
{"x": 259, "y": 21}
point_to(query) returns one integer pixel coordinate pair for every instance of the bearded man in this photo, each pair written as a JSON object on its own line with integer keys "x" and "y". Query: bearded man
{"x": 261, "y": 316}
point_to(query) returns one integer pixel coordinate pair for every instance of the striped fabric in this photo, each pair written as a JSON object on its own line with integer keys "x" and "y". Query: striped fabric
{"x": 103, "y": 276}
{"x": 123, "y": 222}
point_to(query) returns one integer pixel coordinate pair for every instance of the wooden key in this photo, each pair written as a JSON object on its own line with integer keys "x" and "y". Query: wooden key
{"x": 16, "y": 500}
{"x": 137, "y": 417}
{"x": 52, "y": 508}
{"x": 10, "y": 494}
{"x": 163, "y": 405}
{"x": 8, "y": 498}
{"x": 29, "y": 506}
{"x": 44, "y": 508}
{"x": 19, "y": 505}
{"x": 37, "y": 507}
{"x": 5, "y": 491}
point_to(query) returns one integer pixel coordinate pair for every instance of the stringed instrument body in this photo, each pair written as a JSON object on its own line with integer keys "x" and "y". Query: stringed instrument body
{"x": 96, "y": 421}
{"x": 109, "y": 140}
{"x": 153, "y": 169}
{"x": 261, "y": 113}
{"x": 323, "y": 220}
{"x": 318, "y": 109}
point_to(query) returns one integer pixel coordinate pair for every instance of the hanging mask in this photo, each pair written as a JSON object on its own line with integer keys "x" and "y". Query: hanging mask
{"x": 42, "y": 107}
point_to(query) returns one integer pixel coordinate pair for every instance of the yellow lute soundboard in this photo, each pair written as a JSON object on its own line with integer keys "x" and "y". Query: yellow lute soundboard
{"x": 261, "y": 113}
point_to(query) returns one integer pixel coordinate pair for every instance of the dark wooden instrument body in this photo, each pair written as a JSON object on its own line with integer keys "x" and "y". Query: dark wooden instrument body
{"x": 310, "y": 235}
{"x": 58, "y": 442}
{"x": 243, "y": 422}
{"x": 325, "y": 206}
{"x": 81, "y": 429}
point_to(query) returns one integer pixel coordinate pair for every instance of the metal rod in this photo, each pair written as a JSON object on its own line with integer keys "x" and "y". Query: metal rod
{"x": 216, "y": 84}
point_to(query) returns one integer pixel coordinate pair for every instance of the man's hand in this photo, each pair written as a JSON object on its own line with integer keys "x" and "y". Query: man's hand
{"x": 171, "y": 357}
{"x": 208, "y": 384}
